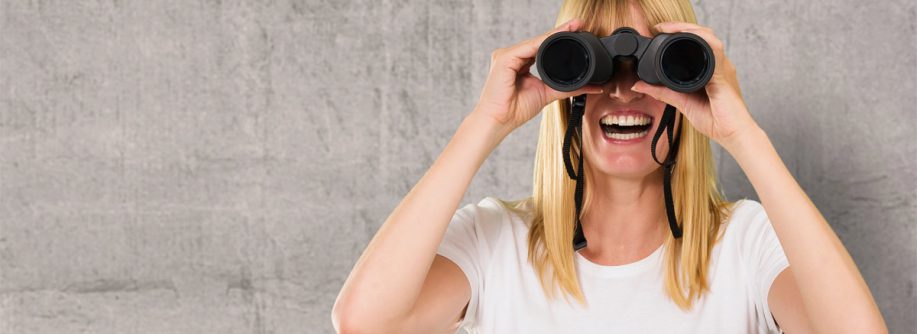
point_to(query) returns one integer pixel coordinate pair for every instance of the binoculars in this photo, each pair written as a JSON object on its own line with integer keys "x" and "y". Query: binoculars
{"x": 681, "y": 61}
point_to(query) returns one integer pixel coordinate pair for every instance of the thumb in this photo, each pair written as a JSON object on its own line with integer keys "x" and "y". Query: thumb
{"x": 554, "y": 95}
{"x": 662, "y": 93}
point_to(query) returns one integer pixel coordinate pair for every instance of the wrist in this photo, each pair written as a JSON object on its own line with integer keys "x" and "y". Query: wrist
{"x": 485, "y": 122}
{"x": 743, "y": 140}
{"x": 474, "y": 140}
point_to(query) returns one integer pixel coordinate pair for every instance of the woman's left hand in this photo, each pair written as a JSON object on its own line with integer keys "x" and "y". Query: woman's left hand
{"x": 721, "y": 114}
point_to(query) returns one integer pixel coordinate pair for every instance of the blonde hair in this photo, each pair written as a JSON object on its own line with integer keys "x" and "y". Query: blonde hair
{"x": 700, "y": 207}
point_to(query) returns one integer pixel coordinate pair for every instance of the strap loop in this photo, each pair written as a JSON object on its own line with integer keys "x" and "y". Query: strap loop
{"x": 577, "y": 109}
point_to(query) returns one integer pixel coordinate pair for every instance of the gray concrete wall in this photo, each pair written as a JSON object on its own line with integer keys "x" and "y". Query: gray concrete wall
{"x": 218, "y": 166}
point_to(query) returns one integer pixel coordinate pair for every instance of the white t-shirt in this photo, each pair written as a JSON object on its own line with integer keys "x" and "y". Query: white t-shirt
{"x": 490, "y": 244}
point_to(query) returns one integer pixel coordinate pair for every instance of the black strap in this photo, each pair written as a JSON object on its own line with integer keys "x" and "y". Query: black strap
{"x": 573, "y": 124}
{"x": 576, "y": 118}
{"x": 668, "y": 123}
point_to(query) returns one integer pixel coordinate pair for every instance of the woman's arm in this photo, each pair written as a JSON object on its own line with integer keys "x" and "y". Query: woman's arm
{"x": 396, "y": 286}
{"x": 387, "y": 279}
{"x": 834, "y": 295}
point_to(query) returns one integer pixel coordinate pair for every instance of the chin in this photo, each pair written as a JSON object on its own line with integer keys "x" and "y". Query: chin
{"x": 623, "y": 165}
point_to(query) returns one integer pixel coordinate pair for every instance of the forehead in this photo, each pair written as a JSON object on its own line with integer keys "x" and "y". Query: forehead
{"x": 631, "y": 15}
{"x": 638, "y": 20}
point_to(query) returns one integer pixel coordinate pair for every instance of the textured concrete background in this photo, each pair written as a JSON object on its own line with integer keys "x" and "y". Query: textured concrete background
{"x": 218, "y": 166}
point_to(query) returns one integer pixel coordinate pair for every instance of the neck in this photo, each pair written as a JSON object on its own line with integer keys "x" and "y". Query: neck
{"x": 625, "y": 220}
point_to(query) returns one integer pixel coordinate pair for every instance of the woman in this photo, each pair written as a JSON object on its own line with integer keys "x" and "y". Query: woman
{"x": 500, "y": 267}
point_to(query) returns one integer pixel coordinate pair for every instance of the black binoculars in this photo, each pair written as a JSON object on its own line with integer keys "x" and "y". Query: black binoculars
{"x": 681, "y": 61}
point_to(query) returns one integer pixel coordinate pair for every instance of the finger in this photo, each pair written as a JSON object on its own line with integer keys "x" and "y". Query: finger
{"x": 570, "y": 25}
{"x": 527, "y": 66}
{"x": 527, "y": 49}
{"x": 715, "y": 43}
{"x": 553, "y": 94}
{"x": 678, "y": 100}
{"x": 674, "y": 26}
{"x": 703, "y": 32}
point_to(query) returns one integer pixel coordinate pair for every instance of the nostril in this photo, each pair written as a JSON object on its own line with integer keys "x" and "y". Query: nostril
{"x": 623, "y": 93}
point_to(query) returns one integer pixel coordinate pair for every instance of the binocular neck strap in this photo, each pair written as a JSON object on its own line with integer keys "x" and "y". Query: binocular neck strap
{"x": 573, "y": 123}
{"x": 667, "y": 122}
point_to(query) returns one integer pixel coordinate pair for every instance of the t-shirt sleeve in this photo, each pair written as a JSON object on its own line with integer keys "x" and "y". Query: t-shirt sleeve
{"x": 764, "y": 256}
{"x": 468, "y": 242}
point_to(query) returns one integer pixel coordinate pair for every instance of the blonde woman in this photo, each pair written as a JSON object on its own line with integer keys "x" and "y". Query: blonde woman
{"x": 510, "y": 267}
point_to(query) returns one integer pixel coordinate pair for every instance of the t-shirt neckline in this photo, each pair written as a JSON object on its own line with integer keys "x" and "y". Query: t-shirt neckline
{"x": 629, "y": 269}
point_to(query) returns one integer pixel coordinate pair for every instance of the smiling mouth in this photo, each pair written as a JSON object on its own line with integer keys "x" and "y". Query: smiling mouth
{"x": 626, "y": 127}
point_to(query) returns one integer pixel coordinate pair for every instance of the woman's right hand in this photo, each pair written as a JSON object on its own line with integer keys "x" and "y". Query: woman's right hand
{"x": 511, "y": 95}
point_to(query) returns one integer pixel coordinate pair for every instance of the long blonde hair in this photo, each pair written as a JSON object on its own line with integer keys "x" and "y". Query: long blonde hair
{"x": 700, "y": 207}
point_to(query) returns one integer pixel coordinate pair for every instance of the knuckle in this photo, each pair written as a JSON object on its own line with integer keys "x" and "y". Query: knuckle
{"x": 716, "y": 43}
{"x": 495, "y": 54}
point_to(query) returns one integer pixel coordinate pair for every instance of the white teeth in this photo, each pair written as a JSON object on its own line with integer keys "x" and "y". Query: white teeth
{"x": 628, "y": 120}
{"x": 626, "y": 136}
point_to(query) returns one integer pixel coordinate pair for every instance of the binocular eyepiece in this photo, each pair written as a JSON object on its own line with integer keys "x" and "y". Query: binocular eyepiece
{"x": 681, "y": 61}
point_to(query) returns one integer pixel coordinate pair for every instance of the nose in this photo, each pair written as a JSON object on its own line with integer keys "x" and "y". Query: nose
{"x": 625, "y": 76}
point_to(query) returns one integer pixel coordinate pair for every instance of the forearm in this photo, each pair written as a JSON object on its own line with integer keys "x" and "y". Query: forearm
{"x": 388, "y": 277}
{"x": 835, "y": 295}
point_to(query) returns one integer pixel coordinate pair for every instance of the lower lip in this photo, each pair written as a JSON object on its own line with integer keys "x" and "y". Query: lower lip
{"x": 626, "y": 141}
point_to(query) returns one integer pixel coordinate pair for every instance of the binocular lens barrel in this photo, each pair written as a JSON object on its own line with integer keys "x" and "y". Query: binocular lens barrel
{"x": 684, "y": 61}
{"x": 568, "y": 61}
